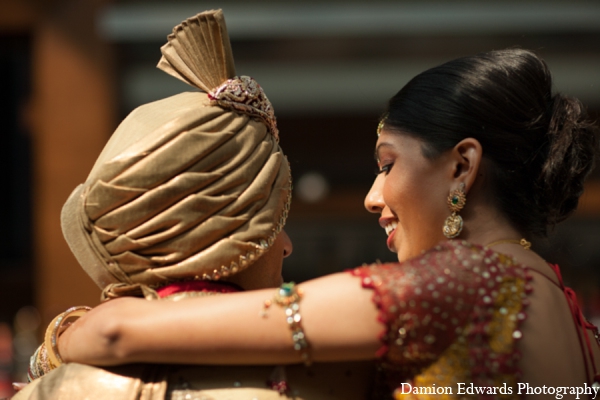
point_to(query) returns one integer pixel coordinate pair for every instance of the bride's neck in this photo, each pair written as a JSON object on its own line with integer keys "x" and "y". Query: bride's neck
{"x": 485, "y": 224}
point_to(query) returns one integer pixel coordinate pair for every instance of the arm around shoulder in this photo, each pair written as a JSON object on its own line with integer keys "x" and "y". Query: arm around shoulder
{"x": 338, "y": 317}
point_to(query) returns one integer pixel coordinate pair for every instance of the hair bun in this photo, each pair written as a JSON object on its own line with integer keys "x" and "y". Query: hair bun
{"x": 572, "y": 146}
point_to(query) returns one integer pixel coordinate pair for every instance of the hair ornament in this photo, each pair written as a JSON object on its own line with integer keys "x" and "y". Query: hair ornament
{"x": 381, "y": 124}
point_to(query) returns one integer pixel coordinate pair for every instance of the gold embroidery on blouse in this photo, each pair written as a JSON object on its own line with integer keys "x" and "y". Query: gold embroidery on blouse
{"x": 473, "y": 296}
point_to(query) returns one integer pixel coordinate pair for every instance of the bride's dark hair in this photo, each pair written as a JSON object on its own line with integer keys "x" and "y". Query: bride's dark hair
{"x": 540, "y": 145}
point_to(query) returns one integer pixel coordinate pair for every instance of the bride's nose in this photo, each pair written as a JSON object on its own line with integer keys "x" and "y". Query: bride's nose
{"x": 374, "y": 199}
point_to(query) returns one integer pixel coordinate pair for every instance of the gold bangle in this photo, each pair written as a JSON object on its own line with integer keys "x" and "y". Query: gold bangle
{"x": 288, "y": 297}
{"x": 38, "y": 364}
{"x": 55, "y": 329}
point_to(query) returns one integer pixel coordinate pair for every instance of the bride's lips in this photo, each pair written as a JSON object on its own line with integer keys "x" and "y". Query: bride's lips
{"x": 390, "y": 242}
{"x": 390, "y": 225}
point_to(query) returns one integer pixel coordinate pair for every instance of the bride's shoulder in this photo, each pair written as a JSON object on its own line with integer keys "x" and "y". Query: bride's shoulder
{"x": 456, "y": 261}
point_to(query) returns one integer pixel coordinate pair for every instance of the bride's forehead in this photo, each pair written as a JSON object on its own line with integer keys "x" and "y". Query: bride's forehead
{"x": 396, "y": 139}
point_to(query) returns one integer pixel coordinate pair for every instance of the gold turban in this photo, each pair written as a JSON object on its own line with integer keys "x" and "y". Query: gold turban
{"x": 194, "y": 186}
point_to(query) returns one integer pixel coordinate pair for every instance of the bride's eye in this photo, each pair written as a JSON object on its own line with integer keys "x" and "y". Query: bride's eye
{"x": 384, "y": 169}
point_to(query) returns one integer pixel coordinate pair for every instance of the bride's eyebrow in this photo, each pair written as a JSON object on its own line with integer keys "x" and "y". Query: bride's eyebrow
{"x": 379, "y": 146}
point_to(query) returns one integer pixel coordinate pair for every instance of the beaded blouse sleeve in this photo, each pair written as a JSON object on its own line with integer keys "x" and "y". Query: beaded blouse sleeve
{"x": 425, "y": 302}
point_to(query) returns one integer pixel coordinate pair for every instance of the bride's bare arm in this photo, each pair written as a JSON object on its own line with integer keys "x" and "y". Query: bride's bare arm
{"x": 338, "y": 317}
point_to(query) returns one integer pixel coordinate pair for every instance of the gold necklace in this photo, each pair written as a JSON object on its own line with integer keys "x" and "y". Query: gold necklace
{"x": 523, "y": 242}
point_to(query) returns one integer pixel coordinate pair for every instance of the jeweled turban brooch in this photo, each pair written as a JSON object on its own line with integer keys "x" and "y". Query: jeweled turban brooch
{"x": 244, "y": 94}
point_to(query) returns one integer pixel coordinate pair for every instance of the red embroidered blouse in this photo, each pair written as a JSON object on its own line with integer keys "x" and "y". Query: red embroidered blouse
{"x": 453, "y": 316}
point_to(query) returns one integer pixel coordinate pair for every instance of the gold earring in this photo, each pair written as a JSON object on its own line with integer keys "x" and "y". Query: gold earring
{"x": 454, "y": 223}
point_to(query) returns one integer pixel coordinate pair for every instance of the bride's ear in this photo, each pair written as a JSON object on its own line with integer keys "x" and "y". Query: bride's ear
{"x": 467, "y": 156}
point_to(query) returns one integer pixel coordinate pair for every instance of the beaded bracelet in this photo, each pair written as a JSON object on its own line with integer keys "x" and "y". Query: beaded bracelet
{"x": 46, "y": 357}
{"x": 38, "y": 364}
{"x": 288, "y": 297}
